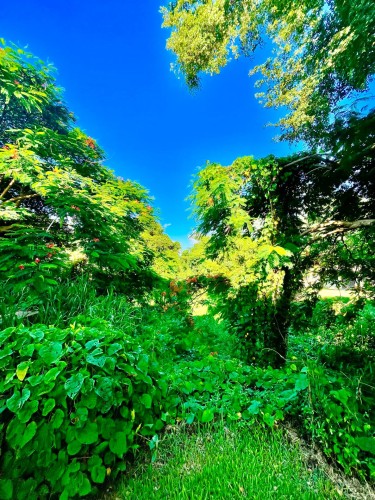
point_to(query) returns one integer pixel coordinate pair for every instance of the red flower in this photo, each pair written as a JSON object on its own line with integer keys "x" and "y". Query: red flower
{"x": 50, "y": 245}
{"x": 90, "y": 143}
{"x": 96, "y": 240}
{"x": 49, "y": 255}
{"x": 37, "y": 260}
{"x": 17, "y": 82}
{"x": 21, "y": 267}
{"x": 76, "y": 208}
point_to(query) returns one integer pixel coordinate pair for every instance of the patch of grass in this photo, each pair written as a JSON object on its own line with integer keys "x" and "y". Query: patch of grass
{"x": 226, "y": 463}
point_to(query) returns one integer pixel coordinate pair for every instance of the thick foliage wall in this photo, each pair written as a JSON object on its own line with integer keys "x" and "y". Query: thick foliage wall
{"x": 59, "y": 206}
{"x": 73, "y": 403}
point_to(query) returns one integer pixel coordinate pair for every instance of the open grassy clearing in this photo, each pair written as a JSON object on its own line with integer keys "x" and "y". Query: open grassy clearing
{"x": 226, "y": 463}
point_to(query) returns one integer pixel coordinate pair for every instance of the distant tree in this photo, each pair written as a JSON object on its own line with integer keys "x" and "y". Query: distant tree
{"x": 323, "y": 52}
{"x": 165, "y": 252}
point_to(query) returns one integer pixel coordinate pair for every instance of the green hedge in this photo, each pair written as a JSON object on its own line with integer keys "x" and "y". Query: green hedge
{"x": 72, "y": 404}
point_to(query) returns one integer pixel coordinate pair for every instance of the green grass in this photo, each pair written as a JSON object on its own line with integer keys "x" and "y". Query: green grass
{"x": 226, "y": 464}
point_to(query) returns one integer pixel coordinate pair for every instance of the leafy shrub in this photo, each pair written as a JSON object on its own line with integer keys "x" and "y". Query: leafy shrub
{"x": 341, "y": 419}
{"x": 73, "y": 402}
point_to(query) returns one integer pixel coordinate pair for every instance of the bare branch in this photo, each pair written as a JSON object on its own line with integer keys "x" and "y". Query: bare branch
{"x": 329, "y": 228}
{"x": 23, "y": 197}
{"x": 7, "y": 188}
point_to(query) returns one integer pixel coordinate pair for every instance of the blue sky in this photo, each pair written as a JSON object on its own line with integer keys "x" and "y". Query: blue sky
{"x": 112, "y": 62}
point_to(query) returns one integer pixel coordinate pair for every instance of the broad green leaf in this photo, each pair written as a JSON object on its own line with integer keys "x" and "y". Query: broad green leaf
{"x": 146, "y": 400}
{"x": 53, "y": 373}
{"x": 57, "y": 419}
{"x": 29, "y": 408}
{"x": 74, "y": 447}
{"x": 366, "y": 444}
{"x": 98, "y": 473}
{"x": 73, "y": 385}
{"x": 6, "y": 489}
{"x": 302, "y": 383}
{"x": 48, "y": 406}
{"x": 22, "y": 369}
{"x": 207, "y": 415}
{"x": 17, "y": 401}
{"x": 118, "y": 445}
{"x": 89, "y": 434}
{"x": 51, "y": 352}
{"x": 29, "y": 433}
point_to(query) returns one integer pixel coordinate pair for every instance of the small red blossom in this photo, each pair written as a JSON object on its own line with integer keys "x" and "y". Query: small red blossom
{"x": 50, "y": 245}
{"x": 21, "y": 267}
{"x": 77, "y": 209}
{"x": 49, "y": 255}
{"x": 17, "y": 82}
{"x": 96, "y": 240}
{"x": 90, "y": 143}
{"x": 37, "y": 260}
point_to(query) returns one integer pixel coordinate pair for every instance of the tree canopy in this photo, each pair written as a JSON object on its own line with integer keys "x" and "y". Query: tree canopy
{"x": 323, "y": 52}
{"x": 59, "y": 205}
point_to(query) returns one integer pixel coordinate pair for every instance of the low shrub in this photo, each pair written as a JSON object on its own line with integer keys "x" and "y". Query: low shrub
{"x": 340, "y": 417}
{"x": 73, "y": 403}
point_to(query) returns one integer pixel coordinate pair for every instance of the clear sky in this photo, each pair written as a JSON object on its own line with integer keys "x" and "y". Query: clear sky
{"x": 112, "y": 62}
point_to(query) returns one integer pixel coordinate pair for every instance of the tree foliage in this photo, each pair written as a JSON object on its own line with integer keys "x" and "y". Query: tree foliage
{"x": 273, "y": 221}
{"x": 59, "y": 204}
{"x": 323, "y": 52}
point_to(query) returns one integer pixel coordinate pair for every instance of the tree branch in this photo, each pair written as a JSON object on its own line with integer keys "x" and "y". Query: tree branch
{"x": 329, "y": 228}
{"x": 22, "y": 197}
{"x": 7, "y": 188}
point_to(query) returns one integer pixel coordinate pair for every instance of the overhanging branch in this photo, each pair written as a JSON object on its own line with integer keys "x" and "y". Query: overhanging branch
{"x": 331, "y": 227}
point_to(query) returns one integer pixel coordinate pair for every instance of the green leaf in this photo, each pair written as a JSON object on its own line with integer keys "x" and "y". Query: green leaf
{"x": 74, "y": 447}
{"x": 48, "y": 406}
{"x": 254, "y": 408}
{"x": 53, "y": 373}
{"x": 207, "y": 415}
{"x": 51, "y": 352}
{"x": 83, "y": 483}
{"x": 89, "y": 434}
{"x": 95, "y": 358}
{"x": 113, "y": 348}
{"x": 35, "y": 380}
{"x": 146, "y": 400}
{"x": 302, "y": 383}
{"x": 27, "y": 411}
{"x": 21, "y": 370}
{"x": 118, "y": 445}
{"x": 283, "y": 252}
{"x": 73, "y": 385}
{"x": 17, "y": 401}
{"x": 366, "y": 444}
{"x": 37, "y": 335}
{"x": 29, "y": 433}
{"x": 98, "y": 473}
{"x": 57, "y": 419}
{"x": 6, "y": 489}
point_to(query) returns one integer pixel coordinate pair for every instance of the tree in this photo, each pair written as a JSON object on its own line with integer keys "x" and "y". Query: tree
{"x": 323, "y": 52}
{"x": 166, "y": 253}
{"x": 57, "y": 199}
{"x": 271, "y": 222}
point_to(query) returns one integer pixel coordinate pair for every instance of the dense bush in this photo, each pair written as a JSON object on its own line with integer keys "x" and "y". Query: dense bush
{"x": 73, "y": 402}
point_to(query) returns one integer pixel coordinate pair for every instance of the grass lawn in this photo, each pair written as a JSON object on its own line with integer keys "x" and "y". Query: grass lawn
{"x": 226, "y": 464}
